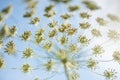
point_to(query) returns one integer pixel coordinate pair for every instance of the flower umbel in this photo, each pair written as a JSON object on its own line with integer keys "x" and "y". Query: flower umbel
{"x": 2, "y": 62}
{"x": 10, "y": 48}
{"x": 26, "y": 68}
{"x": 28, "y": 53}
{"x": 110, "y": 74}
{"x": 116, "y": 56}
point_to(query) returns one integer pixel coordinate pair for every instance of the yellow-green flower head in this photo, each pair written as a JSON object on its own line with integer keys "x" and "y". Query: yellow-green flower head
{"x": 71, "y": 31}
{"x": 52, "y": 33}
{"x": 1, "y": 44}
{"x": 49, "y": 11}
{"x": 28, "y": 53}
{"x": 91, "y": 5}
{"x": 85, "y": 15}
{"x": 26, "y": 35}
{"x": 2, "y": 62}
{"x": 64, "y": 1}
{"x": 29, "y": 14}
{"x": 49, "y": 65}
{"x": 65, "y": 16}
{"x": 113, "y": 35}
{"x": 4, "y": 32}
{"x": 12, "y": 31}
{"x": 26, "y": 68}
{"x": 85, "y": 25}
{"x": 110, "y": 74}
{"x": 35, "y": 21}
{"x": 96, "y": 33}
{"x": 7, "y": 10}
{"x": 101, "y": 21}
{"x": 116, "y": 56}
{"x": 73, "y": 48}
{"x": 36, "y": 79}
{"x": 32, "y": 4}
{"x": 63, "y": 40}
{"x": 39, "y": 32}
{"x": 73, "y": 8}
{"x": 113, "y": 17}
{"x": 1, "y": 17}
{"x": 84, "y": 40}
{"x": 53, "y": 24}
{"x": 97, "y": 50}
{"x": 49, "y": 14}
{"x": 92, "y": 63}
{"x": 48, "y": 46}
{"x": 10, "y": 48}
{"x": 49, "y": 8}
{"x": 39, "y": 39}
{"x": 74, "y": 76}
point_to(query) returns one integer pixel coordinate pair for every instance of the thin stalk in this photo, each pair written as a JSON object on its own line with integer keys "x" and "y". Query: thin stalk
{"x": 66, "y": 71}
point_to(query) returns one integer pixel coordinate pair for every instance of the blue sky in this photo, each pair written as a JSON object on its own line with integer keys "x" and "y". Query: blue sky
{"x": 22, "y": 25}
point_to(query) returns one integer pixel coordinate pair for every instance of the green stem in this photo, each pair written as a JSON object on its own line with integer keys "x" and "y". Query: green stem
{"x": 66, "y": 71}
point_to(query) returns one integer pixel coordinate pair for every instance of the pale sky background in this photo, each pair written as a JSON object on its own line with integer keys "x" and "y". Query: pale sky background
{"x": 108, "y": 6}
